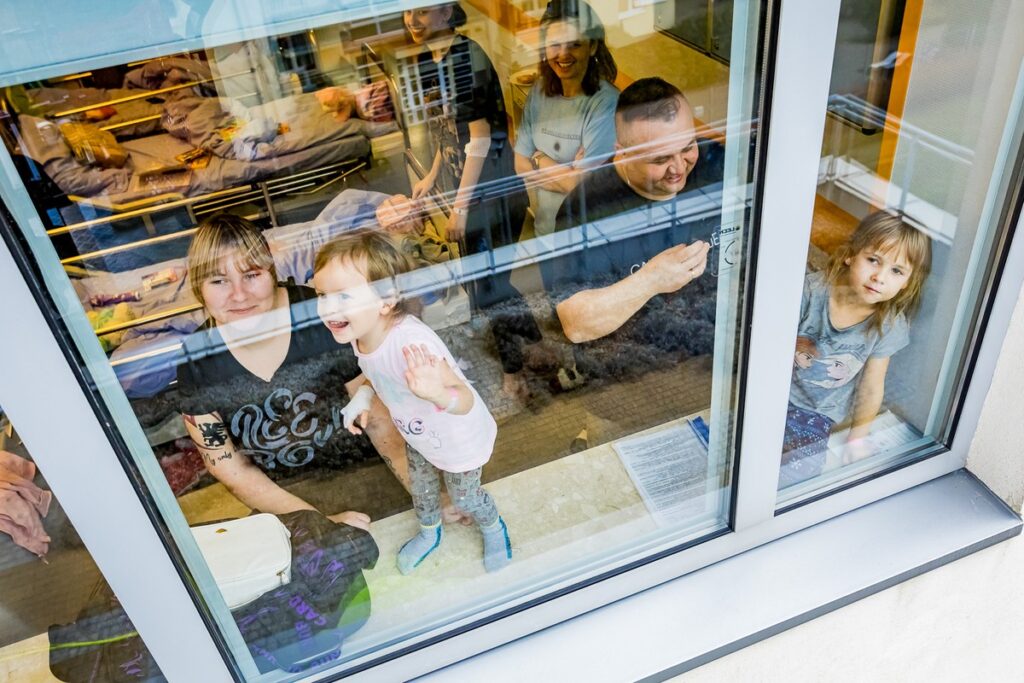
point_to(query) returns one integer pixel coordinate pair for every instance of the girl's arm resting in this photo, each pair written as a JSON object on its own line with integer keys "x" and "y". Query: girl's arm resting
{"x": 523, "y": 166}
{"x": 552, "y": 175}
{"x": 241, "y": 476}
{"x": 560, "y": 177}
{"x": 868, "y": 398}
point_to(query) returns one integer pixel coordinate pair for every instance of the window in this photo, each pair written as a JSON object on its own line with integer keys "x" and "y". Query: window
{"x": 486, "y": 308}
{"x": 905, "y": 234}
{"x": 485, "y": 241}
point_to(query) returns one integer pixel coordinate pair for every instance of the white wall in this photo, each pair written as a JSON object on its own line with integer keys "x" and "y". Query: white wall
{"x": 995, "y": 455}
{"x": 963, "y": 622}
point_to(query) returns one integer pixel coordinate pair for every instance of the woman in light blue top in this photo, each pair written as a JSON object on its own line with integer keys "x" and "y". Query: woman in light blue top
{"x": 569, "y": 121}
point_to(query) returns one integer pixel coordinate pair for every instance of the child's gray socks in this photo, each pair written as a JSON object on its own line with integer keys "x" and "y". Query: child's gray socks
{"x": 418, "y": 547}
{"x": 497, "y": 546}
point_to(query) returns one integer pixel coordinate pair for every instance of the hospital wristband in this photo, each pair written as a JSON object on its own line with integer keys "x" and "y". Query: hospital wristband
{"x": 452, "y": 402}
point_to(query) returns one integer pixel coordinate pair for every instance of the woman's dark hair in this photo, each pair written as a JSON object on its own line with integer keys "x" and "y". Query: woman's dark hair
{"x": 601, "y": 66}
{"x": 458, "y": 17}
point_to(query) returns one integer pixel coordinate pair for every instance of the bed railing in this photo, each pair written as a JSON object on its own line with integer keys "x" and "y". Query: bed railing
{"x": 300, "y": 183}
{"x": 146, "y": 94}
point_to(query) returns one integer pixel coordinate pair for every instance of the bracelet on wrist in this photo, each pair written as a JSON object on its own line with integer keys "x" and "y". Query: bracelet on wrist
{"x": 453, "y": 400}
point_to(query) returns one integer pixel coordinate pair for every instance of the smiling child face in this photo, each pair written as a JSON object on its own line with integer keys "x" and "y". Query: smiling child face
{"x": 349, "y": 306}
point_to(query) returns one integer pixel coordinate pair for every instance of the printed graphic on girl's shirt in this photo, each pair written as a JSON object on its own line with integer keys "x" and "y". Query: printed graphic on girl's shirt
{"x": 828, "y": 372}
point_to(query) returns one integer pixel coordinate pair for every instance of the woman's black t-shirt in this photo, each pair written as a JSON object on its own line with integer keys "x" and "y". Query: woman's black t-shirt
{"x": 462, "y": 87}
{"x": 292, "y": 421}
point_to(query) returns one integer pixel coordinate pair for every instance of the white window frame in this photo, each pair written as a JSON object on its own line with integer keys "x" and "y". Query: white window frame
{"x": 171, "y": 622}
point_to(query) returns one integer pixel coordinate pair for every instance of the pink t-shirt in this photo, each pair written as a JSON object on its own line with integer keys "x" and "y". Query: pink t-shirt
{"x": 452, "y": 443}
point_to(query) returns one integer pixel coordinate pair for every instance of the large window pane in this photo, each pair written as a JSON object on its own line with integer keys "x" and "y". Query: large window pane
{"x": 493, "y": 239}
{"x": 922, "y": 133}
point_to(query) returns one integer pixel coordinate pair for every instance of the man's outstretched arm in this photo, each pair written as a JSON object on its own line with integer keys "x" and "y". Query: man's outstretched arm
{"x": 594, "y": 313}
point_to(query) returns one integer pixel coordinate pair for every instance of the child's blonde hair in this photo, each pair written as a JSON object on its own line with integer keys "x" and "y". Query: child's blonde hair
{"x": 221, "y": 234}
{"x": 886, "y": 232}
{"x": 379, "y": 256}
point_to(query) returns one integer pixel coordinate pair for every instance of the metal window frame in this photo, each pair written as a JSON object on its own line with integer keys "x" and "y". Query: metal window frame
{"x": 48, "y": 372}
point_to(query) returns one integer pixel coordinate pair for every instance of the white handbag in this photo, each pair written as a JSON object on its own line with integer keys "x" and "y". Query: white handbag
{"x": 247, "y": 556}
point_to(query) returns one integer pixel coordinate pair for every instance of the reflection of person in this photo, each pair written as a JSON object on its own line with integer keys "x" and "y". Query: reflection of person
{"x": 631, "y": 244}
{"x": 852, "y": 320}
{"x": 569, "y": 119}
{"x": 473, "y": 163}
{"x": 656, "y": 153}
{"x": 261, "y": 383}
{"x": 439, "y": 414}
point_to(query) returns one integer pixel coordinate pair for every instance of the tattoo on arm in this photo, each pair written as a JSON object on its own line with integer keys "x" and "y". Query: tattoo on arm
{"x": 214, "y": 434}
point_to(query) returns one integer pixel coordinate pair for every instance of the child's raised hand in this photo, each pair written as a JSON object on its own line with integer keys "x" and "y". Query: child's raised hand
{"x": 427, "y": 374}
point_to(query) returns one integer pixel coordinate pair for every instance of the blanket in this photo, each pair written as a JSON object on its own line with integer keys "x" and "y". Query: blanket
{"x": 228, "y": 129}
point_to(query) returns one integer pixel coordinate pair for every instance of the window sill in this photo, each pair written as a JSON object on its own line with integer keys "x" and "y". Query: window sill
{"x": 722, "y": 608}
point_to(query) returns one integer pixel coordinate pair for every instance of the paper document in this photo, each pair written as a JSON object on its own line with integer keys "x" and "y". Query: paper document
{"x": 669, "y": 469}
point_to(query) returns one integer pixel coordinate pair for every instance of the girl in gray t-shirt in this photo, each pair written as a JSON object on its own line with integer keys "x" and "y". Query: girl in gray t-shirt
{"x": 853, "y": 318}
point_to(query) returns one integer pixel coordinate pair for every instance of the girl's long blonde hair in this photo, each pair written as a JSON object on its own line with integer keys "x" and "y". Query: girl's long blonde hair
{"x": 888, "y": 233}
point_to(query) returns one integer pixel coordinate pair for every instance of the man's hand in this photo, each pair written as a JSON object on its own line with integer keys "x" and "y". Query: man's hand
{"x": 674, "y": 268}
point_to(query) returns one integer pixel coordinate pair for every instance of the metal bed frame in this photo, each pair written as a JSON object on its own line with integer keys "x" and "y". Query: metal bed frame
{"x": 304, "y": 183}
{"x": 261, "y": 192}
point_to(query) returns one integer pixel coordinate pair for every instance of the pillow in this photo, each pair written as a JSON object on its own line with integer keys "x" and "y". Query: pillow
{"x": 94, "y": 146}
{"x": 294, "y": 246}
